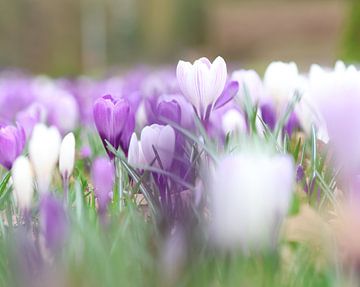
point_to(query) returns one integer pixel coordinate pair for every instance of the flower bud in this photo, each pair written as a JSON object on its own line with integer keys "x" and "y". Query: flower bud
{"x": 44, "y": 148}
{"x": 67, "y": 155}
{"x": 22, "y": 177}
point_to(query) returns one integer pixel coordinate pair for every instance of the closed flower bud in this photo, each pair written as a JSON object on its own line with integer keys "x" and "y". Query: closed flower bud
{"x": 44, "y": 149}
{"x": 22, "y": 177}
{"x": 67, "y": 155}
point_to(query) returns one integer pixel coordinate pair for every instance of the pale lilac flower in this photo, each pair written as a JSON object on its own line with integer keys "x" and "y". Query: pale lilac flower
{"x": 29, "y": 117}
{"x": 250, "y": 195}
{"x": 12, "y": 142}
{"x": 337, "y": 95}
{"x": 158, "y": 144}
{"x": 250, "y": 84}
{"x": 103, "y": 177}
{"x": 115, "y": 122}
{"x": 202, "y": 82}
{"x": 64, "y": 113}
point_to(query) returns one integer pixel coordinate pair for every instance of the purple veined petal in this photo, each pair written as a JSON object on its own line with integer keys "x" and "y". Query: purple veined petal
{"x": 227, "y": 95}
{"x": 218, "y": 75}
{"x": 205, "y": 61}
{"x": 103, "y": 117}
{"x": 201, "y": 88}
{"x": 182, "y": 73}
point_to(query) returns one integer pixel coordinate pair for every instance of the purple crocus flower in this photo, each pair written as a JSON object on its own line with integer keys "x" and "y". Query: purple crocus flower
{"x": 29, "y": 117}
{"x": 169, "y": 107}
{"x": 53, "y": 220}
{"x": 268, "y": 114}
{"x": 12, "y": 142}
{"x": 114, "y": 121}
{"x": 103, "y": 176}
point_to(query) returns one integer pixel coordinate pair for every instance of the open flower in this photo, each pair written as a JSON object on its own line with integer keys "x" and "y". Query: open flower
{"x": 114, "y": 121}
{"x": 12, "y": 142}
{"x": 44, "y": 149}
{"x": 250, "y": 194}
{"x": 202, "y": 82}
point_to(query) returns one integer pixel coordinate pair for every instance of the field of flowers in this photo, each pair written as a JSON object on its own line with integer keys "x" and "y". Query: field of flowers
{"x": 193, "y": 175}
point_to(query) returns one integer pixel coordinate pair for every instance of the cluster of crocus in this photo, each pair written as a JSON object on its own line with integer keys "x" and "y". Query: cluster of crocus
{"x": 208, "y": 154}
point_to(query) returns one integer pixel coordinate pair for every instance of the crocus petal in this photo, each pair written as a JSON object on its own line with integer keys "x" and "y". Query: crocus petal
{"x": 227, "y": 95}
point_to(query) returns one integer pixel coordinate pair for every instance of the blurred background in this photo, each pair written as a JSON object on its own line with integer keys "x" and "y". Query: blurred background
{"x": 68, "y": 37}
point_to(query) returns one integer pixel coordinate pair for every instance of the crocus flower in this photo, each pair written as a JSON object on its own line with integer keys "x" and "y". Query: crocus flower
{"x": 29, "y": 117}
{"x": 281, "y": 80}
{"x": 337, "y": 93}
{"x": 158, "y": 144}
{"x": 114, "y": 121}
{"x": 250, "y": 85}
{"x": 169, "y": 107}
{"x": 233, "y": 121}
{"x": 64, "y": 104}
{"x": 202, "y": 82}
{"x": 12, "y": 142}
{"x": 103, "y": 177}
{"x": 44, "y": 149}
{"x": 22, "y": 177}
{"x": 250, "y": 194}
{"x": 53, "y": 221}
{"x": 67, "y": 155}
{"x": 135, "y": 156}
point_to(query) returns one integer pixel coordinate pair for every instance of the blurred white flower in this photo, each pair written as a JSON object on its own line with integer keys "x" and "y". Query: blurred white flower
{"x": 250, "y": 81}
{"x": 22, "y": 177}
{"x": 67, "y": 155}
{"x": 281, "y": 80}
{"x": 233, "y": 121}
{"x": 250, "y": 193}
{"x": 44, "y": 149}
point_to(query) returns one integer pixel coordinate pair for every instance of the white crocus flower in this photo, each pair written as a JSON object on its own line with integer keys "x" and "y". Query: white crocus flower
{"x": 67, "y": 156}
{"x": 281, "y": 80}
{"x": 22, "y": 178}
{"x": 202, "y": 82}
{"x": 251, "y": 193}
{"x": 44, "y": 149}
